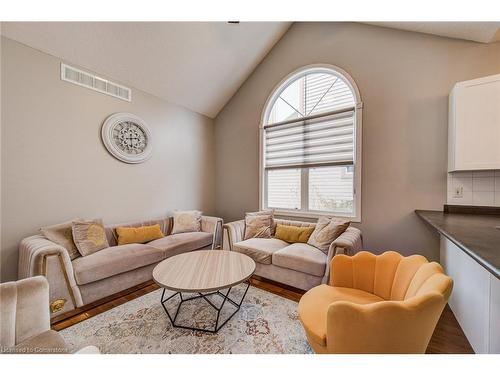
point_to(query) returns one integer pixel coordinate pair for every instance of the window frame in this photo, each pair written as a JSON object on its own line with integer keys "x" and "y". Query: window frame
{"x": 358, "y": 109}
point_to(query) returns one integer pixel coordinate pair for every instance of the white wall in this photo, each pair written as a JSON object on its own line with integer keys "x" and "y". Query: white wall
{"x": 55, "y": 167}
{"x": 404, "y": 79}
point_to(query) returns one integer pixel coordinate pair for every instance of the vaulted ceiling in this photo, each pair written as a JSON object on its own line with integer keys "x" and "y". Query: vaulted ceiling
{"x": 484, "y": 32}
{"x": 198, "y": 65}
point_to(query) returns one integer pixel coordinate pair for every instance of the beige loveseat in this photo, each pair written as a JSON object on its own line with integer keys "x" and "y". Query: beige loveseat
{"x": 78, "y": 282}
{"x": 25, "y": 320}
{"x": 299, "y": 265}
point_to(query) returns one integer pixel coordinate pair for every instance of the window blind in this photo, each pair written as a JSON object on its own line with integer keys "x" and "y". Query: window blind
{"x": 325, "y": 140}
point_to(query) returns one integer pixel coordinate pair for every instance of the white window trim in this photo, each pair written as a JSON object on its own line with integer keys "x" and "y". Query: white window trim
{"x": 358, "y": 114}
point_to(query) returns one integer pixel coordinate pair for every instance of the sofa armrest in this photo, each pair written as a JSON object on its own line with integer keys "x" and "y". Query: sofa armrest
{"x": 235, "y": 231}
{"x": 347, "y": 243}
{"x": 212, "y": 224}
{"x": 40, "y": 256}
{"x": 24, "y": 310}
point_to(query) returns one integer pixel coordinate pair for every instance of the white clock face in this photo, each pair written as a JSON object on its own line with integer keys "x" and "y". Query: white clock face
{"x": 130, "y": 138}
{"x": 127, "y": 138}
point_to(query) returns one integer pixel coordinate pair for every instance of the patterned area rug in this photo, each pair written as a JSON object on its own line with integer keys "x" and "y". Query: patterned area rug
{"x": 266, "y": 323}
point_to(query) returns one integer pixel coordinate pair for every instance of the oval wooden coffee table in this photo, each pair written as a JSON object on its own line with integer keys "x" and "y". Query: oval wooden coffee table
{"x": 205, "y": 273}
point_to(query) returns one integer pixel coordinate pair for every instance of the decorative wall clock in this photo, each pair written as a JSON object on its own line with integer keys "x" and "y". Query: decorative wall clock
{"x": 127, "y": 138}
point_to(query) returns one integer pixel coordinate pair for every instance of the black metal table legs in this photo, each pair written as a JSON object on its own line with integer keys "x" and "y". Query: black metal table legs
{"x": 216, "y": 327}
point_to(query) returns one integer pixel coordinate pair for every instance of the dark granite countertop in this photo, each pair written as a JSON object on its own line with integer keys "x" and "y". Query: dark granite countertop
{"x": 477, "y": 235}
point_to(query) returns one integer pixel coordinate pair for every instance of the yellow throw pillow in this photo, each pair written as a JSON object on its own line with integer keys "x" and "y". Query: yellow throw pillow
{"x": 292, "y": 234}
{"x": 138, "y": 235}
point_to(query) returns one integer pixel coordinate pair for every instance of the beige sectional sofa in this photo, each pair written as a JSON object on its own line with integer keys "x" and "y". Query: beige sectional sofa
{"x": 299, "y": 265}
{"x": 77, "y": 282}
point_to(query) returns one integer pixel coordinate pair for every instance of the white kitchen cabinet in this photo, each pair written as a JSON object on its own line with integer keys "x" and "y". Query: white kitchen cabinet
{"x": 475, "y": 299}
{"x": 495, "y": 315}
{"x": 474, "y": 125}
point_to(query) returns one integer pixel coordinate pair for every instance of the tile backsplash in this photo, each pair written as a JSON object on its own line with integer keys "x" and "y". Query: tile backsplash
{"x": 476, "y": 188}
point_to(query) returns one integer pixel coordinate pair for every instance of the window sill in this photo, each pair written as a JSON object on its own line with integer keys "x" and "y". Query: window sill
{"x": 313, "y": 215}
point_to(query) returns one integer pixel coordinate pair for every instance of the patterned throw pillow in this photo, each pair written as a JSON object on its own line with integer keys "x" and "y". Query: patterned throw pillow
{"x": 89, "y": 236}
{"x": 265, "y": 212}
{"x": 258, "y": 225}
{"x": 187, "y": 221}
{"x": 326, "y": 231}
{"x": 62, "y": 235}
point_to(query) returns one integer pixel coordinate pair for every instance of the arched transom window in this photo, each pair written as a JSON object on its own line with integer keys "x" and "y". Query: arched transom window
{"x": 310, "y": 145}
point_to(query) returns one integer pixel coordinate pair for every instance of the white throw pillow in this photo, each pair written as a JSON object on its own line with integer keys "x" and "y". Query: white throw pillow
{"x": 269, "y": 213}
{"x": 258, "y": 226}
{"x": 187, "y": 221}
{"x": 326, "y": 231}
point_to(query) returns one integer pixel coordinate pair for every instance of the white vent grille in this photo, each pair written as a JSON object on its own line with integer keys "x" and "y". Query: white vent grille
{"x": 90, "y": 81}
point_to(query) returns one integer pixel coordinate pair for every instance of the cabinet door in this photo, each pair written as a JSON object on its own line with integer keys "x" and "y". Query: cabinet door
{"x": 495, "y": 315}
{"x": 470, "y": 298}
{"x": 477, "y": 122}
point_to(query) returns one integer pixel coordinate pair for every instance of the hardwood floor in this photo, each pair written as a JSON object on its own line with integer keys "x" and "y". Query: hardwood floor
{"x": 448, "y": 338}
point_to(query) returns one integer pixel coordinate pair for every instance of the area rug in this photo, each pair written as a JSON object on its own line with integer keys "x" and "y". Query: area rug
{"x": 266, "y": 323}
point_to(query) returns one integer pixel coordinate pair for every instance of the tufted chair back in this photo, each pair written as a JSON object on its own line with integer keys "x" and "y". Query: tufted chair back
{"x": 390, "y": 275}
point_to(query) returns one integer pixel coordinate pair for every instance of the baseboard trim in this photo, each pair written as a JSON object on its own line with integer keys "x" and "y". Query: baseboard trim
{"x": 280, "y": 285}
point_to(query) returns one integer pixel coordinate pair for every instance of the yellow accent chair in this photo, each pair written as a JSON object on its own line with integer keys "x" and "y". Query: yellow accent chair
{"x": 384, "y": 303}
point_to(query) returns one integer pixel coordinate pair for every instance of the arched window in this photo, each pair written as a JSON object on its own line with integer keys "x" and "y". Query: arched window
{"x": 311, "y": 145}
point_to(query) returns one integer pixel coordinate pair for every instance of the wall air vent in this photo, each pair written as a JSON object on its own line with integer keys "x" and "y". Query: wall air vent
{"x": 91, "y": 81}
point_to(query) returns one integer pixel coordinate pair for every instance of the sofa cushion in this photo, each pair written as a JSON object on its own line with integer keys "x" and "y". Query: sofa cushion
{"x": 115, "y": 260}
{"x": 301, "y": 257}
{"x": 182, "y": 242}
{"x": 313, "y": 307}
{"x": 260, "y": 249}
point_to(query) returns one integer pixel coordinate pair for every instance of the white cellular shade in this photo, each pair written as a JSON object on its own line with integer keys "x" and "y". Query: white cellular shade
{"x": 325, "y": 140}
{"x": 283, "y": 188}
